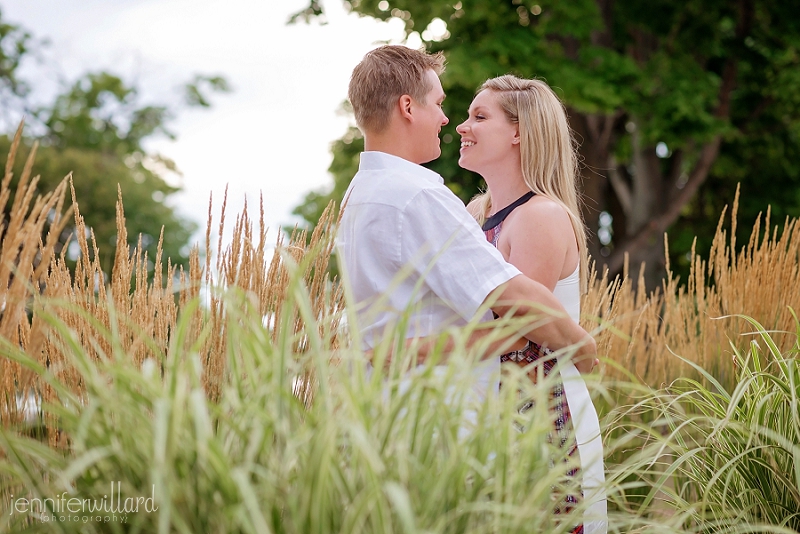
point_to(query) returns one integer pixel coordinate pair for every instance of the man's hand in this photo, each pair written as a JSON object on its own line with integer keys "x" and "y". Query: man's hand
{"x": 587, "y": 365}
{"x": 585, "y": 357}
{"x": 560, "y": 332}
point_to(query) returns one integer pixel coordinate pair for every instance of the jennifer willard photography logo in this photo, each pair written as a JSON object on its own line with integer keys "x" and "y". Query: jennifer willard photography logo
{"x": 111, "y": 507}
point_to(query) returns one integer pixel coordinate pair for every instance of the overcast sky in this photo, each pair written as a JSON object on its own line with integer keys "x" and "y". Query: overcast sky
{"x": 271, "y": 135}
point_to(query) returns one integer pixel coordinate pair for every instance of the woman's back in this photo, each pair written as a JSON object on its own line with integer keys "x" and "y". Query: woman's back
{"x": 568, "y": 293}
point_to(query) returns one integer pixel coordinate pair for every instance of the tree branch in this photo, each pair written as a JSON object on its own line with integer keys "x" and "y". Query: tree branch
{"x": 593, "y": 127}
{"x": 658, "y": 225}
{"x": 608, "y": 127}
{"x": 603, "y": 37}
{"x": 621, "y": 189}
{"x": 675, "y": 170}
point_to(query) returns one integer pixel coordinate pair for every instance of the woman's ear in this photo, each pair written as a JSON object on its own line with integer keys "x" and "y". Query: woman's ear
{"x": 515, "y": 139}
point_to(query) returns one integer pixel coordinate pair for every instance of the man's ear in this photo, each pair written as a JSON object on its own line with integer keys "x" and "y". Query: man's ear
{"x": 405, "y": 103}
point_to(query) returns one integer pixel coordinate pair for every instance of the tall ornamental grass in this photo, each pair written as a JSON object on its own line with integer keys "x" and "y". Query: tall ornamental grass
{"x": 760, "y": 279}
{"x": 230, "y": 397}
{"x": 729, "y": 457}
{"x": 380, "y": 451}
{"x": 150, "y": 293}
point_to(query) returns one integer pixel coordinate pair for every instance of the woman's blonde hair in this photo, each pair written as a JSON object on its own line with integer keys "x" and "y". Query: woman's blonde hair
{"x": 547, "y": 150}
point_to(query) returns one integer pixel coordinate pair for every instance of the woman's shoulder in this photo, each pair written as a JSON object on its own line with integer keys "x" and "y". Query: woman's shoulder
{"x": 542, "y": 211}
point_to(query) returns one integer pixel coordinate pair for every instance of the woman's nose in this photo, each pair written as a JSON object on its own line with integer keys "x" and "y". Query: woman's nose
{"x": 461, "y": 128}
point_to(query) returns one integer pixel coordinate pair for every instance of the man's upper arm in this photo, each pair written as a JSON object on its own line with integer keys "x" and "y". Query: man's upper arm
{"x": 446, "y": 246}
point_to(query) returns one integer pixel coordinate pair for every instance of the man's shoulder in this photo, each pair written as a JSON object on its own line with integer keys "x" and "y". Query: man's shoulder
{"x": 393, "y": 187}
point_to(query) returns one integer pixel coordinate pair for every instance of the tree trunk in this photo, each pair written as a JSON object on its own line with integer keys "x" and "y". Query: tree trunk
{"x": 594, "y": 134}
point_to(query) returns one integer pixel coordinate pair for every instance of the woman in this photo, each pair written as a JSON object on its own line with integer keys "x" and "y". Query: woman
{"x": 518, "y": 139}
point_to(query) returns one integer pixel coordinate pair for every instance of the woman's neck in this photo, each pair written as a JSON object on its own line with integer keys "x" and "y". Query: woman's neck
{"x": 505, "y": 191}
{"x": 504, "y": 181}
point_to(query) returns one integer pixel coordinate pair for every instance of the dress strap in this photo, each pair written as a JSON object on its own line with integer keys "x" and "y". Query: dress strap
{"x": 501, "y": 215}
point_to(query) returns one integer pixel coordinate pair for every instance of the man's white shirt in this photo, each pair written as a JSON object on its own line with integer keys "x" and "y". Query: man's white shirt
{"x": 407, "y": 243}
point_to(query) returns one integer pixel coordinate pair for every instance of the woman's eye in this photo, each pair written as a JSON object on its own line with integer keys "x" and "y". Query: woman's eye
{"x": 479, "y": 117}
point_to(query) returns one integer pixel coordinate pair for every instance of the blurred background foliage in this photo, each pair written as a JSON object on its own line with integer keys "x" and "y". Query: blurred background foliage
{"x": 673, "y": 105}
{"x": 96, "y": 127}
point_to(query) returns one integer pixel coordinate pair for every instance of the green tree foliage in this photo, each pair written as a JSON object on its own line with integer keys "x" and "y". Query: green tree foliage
{"x": 100, "y": 113}
{"x": 196, "y": 91}
{"x": 15, "y": 44}
{"x": 95, "y": 129}
{"x": 344, "y": 165}
{"x": 673, "y": 104}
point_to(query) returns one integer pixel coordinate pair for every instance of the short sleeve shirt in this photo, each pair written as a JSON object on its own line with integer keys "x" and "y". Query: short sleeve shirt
{"x": 407, "y": 243}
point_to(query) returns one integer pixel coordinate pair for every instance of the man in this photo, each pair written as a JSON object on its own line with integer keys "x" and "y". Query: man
{"x": 405, "y": 238}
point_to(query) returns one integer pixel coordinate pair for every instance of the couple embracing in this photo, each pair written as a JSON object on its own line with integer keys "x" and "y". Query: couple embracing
{"x": 520, "y": 243}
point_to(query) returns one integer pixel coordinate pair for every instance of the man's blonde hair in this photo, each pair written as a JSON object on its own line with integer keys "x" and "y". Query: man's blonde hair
{"x": 547, "y": 150}
{"x": 384, "y": 75}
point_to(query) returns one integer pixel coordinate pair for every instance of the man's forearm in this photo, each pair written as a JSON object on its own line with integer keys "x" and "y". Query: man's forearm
{"x": 525, "y": 297}
{"x": 493, "y": 347}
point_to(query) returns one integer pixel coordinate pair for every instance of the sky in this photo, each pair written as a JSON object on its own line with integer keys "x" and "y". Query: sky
{"x": 270, "y": 136}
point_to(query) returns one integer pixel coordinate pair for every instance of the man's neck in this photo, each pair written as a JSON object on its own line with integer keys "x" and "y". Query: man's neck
{"x": 390, "y": 144}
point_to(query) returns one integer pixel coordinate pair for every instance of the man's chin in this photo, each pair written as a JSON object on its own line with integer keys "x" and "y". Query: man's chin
{"x": 434, "y": 155}
{"x": 428, "y": 159}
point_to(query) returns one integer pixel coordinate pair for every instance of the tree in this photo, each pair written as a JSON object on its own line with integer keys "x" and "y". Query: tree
{"x": 672, "y": 104}
{"x": 95, "y": 130}
{"x": 16, "y": 44}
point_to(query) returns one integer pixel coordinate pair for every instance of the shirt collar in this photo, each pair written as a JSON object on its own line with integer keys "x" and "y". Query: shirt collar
{"x": 375, "y": 161}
